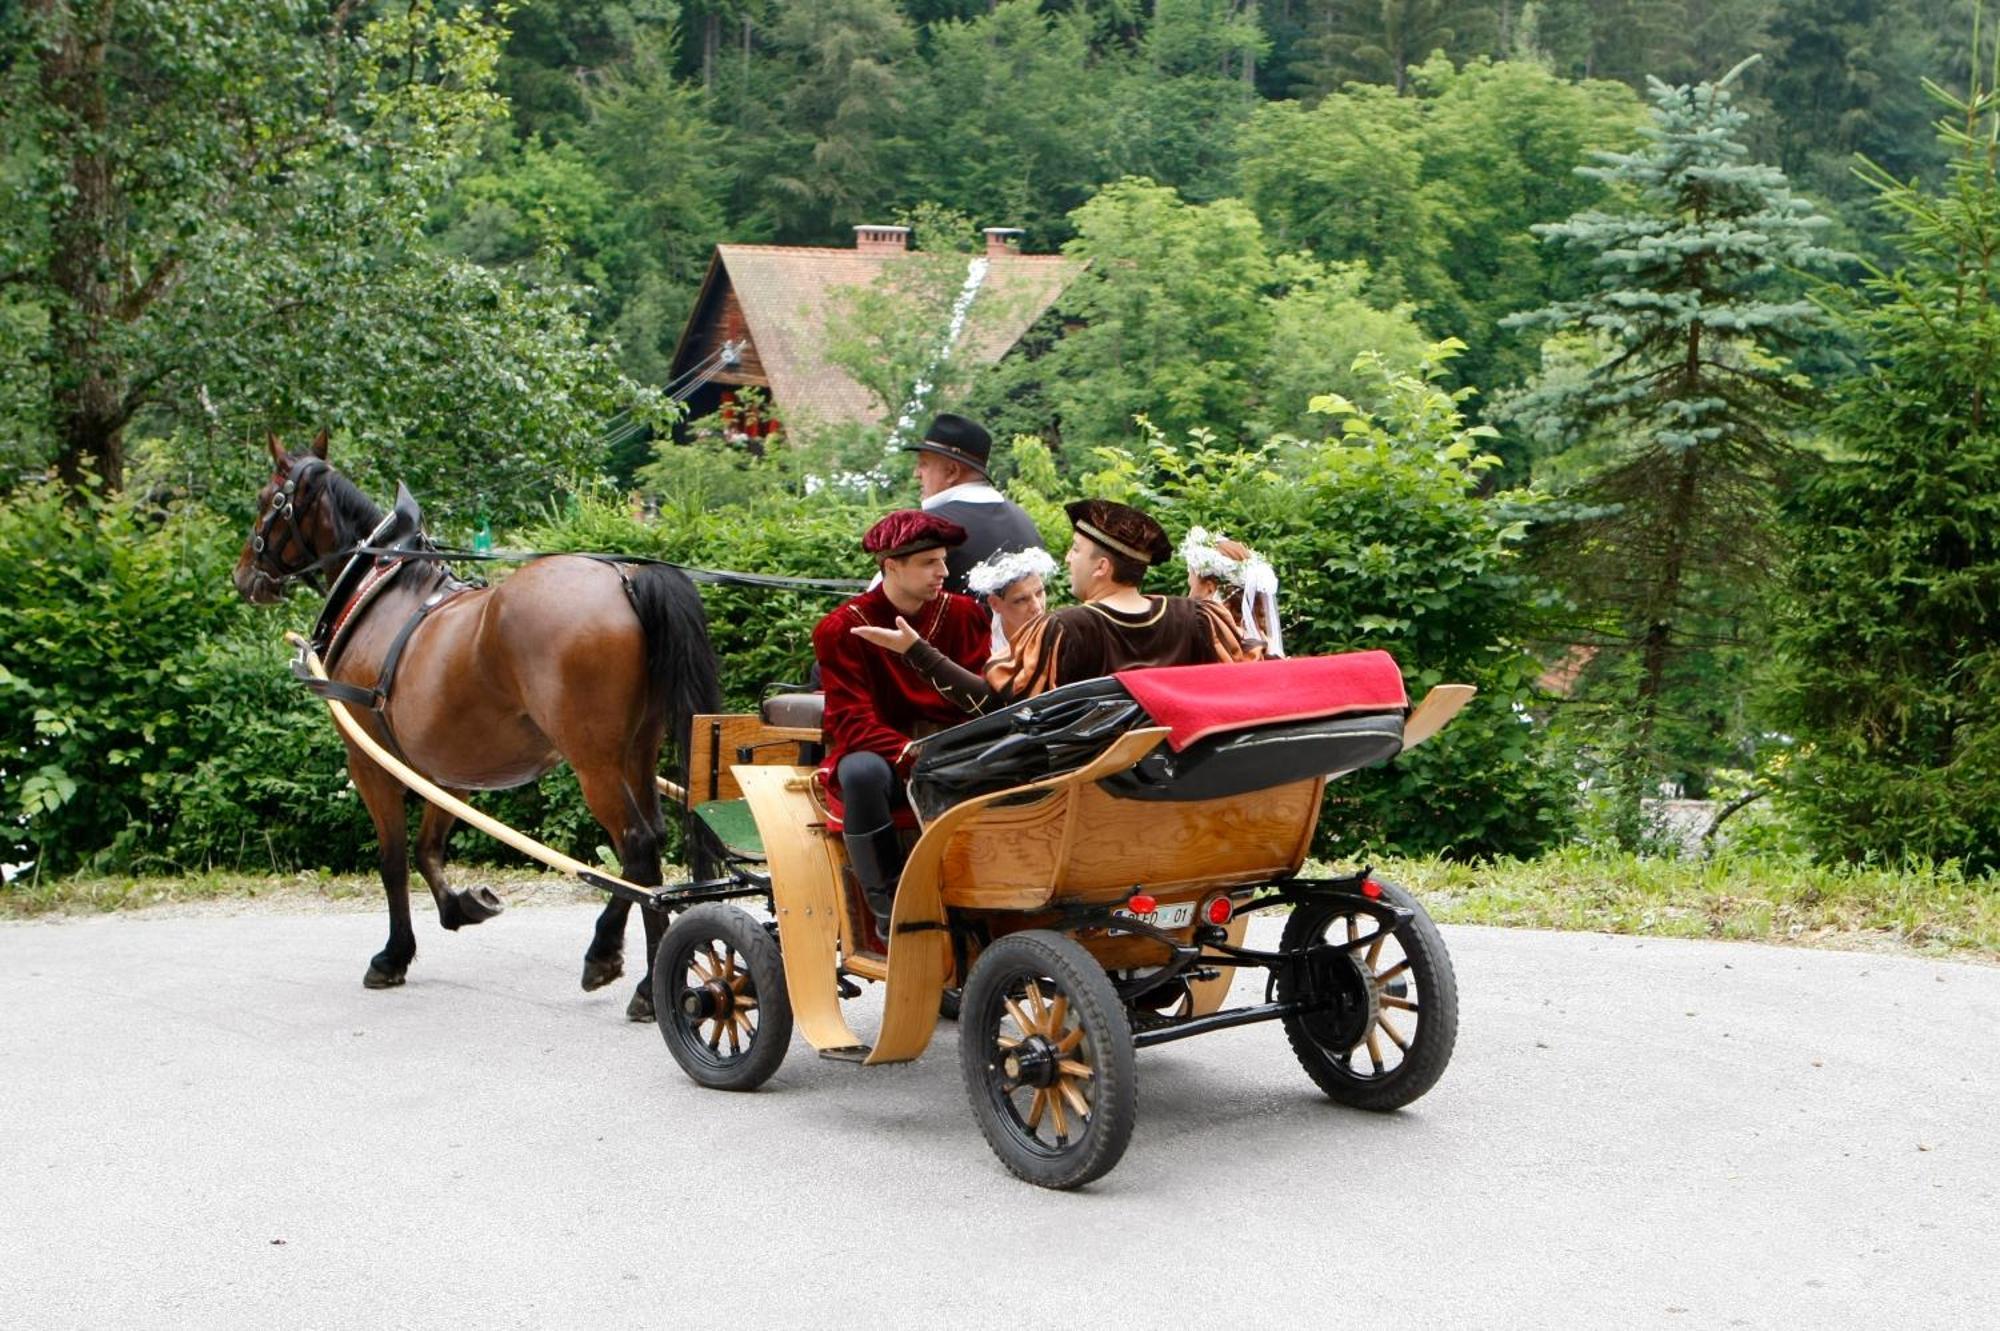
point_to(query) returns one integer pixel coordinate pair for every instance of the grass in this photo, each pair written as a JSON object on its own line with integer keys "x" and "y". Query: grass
{"x": 1758, "y": 898}
{"x": 90, "y": 895}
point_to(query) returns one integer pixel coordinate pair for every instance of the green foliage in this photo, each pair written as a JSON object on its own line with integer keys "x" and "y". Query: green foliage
{"x": 1437, "y": 190}
{"x": 761, "y": 636}
{"x": 1171, "y": 311}
{"x": 250, "y": 252}
{"x": 147, "y": 721}
{"x": 1892, "y": 630}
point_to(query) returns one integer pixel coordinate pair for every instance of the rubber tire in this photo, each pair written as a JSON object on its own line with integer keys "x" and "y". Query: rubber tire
{"x": 1045, "y": 954}
{"x": 716, "y": 922}
{"x": 1437, "y": 1025}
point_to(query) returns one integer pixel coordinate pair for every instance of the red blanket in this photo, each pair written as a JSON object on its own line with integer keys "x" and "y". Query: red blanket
{"x": 1199, "y": 701}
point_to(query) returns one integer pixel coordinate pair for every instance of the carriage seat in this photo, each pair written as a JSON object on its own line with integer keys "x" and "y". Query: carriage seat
{"x": 1233, "y": 729}
{"x": 795, "y": 710}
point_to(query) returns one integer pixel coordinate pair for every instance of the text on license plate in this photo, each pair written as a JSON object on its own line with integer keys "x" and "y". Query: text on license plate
{"x": 1173, "y": 915}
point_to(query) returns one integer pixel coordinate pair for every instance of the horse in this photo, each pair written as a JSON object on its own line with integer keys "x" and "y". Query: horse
{"x": 572, "y": 659}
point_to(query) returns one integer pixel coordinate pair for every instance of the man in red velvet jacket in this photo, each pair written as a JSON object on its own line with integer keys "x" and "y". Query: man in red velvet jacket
{"x": 875, "y": 702}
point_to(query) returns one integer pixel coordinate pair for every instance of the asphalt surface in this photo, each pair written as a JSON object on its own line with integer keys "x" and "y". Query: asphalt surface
{"x": 208, "y": 1122}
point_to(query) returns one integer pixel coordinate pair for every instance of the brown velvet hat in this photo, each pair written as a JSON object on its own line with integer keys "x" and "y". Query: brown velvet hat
{"x": 1121, "y": 529}
{"x": 910, "y": 531}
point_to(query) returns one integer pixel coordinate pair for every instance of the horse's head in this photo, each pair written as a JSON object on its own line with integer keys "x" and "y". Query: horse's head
{"x": 295, "y": 529}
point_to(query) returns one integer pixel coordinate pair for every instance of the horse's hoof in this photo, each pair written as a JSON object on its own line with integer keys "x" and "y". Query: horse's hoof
{"x": 474, "y": 905}
{"x": 597, "y": 974}
{"x": 640, "y": 1008}
{"x": 377, "y": 978}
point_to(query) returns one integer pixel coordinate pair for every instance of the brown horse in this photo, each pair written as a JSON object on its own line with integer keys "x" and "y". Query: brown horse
{"x": 571, "y": 658}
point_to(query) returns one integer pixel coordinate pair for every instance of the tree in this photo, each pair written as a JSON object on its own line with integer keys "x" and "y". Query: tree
{"x": 1376, "y": 41}
{"x": 1172, "y": 314}
{"x": 1847, "y": 80}
{"x": 218, "y": 220}
{"x": 1690, "y": 390}
{"x": 1890, "y": 636}
{"x": 822, "y": 136}
{"x": 1009, "y": 122}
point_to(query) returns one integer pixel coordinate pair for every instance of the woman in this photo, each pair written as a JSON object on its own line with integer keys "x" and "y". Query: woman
{"x": 1233, "y": 574}
{"x": 1013, "y": 584}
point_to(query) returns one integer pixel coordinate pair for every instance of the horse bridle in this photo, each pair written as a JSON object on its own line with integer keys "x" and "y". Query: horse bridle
{"x": 286, "y": 503}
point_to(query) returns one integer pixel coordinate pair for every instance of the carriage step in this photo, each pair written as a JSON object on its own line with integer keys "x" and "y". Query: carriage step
{"x": 847, "y": 1053}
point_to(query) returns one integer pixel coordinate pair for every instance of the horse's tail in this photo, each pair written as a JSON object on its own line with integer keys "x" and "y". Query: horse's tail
{"x": 680, "y": 662}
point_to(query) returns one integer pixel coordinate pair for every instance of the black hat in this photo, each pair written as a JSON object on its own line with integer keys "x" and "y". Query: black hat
{"x": 956, "y": 438}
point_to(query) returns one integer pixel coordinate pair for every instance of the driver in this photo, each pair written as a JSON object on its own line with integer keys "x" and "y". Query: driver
{"x": 1117, "y": 626}
{"x": 875, "y": 703}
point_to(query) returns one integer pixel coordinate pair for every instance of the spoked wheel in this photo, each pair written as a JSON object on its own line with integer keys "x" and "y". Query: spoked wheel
{"x": 719, "y": 995}
{"x": 1389, "y": 1013}
{"x": 1048, "y": 1059}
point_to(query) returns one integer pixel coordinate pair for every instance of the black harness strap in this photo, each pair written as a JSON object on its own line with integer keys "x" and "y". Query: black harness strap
{"x": 376, "y": 699}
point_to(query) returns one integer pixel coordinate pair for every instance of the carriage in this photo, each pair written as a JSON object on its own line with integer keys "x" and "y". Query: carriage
{"x": 1084, "y": 870}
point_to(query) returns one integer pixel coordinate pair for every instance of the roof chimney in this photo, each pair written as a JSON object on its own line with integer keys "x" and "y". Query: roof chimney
{"x": 871, "y": 239}
{"x": 1002, "y": 241}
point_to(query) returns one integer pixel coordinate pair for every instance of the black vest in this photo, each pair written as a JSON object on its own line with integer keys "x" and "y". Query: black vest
{"x": 989, "y": 528}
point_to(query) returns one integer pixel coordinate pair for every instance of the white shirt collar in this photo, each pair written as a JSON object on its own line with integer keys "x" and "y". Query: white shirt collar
{"x": 968, "y": 492}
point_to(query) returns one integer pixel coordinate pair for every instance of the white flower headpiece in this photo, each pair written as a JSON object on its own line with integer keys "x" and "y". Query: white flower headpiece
{"x": 997, "y": 572}
{"x": 1254, "y": 575}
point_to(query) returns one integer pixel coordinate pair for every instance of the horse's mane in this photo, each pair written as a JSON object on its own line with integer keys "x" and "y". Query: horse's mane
{"x": 353, "y": 512}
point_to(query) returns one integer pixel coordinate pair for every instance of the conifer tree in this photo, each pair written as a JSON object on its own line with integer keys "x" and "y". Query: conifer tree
{"x": 1893, "y": 633}
{"x": 1690, "y": 400}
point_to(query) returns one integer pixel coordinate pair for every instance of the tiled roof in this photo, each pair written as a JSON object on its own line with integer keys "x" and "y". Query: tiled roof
{"x": 787, "y": 293}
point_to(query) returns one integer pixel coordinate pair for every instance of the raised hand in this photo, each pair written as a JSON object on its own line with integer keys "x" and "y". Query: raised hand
{"x": 898, "y": 640}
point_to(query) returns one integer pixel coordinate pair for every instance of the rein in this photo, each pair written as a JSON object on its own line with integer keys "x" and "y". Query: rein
{"x": 713, "y": 576}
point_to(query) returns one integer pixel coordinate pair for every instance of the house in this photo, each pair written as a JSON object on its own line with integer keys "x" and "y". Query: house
{"x": 761, "y": 322}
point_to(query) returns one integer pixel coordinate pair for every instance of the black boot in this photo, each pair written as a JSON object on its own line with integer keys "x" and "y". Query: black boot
{"x": 877, "y": 858}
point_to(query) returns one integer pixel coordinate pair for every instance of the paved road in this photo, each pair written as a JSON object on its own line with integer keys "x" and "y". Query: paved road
{"x": 207, "y": 1122}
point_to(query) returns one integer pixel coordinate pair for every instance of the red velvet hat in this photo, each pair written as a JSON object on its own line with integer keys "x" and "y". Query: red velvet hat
{"x": 1121, "y": 529}
{"x": 910, "y": 531}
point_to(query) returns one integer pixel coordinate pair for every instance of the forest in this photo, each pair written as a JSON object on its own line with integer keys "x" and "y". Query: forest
{"x": 1634, "y": 361}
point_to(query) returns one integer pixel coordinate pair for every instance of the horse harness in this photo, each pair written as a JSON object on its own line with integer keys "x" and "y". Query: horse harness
{"x": 370, "y": 569}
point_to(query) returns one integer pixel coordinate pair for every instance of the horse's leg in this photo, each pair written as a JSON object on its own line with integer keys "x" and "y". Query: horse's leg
{"x": 383, "y": 795}
{"x": 604, "y": 959}
{"x": 623, "y": 798}
{"x": 455, "y": 907}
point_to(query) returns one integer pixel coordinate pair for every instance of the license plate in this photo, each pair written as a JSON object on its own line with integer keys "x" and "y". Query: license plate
{"x": 1173, "y": 915}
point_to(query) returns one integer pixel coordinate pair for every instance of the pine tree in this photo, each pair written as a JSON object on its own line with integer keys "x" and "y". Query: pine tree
{"x": 1893, "y": 632}
{"x": 1689, "y": 401}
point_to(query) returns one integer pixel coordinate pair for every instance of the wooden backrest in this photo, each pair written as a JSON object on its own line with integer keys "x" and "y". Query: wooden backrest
{"x": 723, "y": 741}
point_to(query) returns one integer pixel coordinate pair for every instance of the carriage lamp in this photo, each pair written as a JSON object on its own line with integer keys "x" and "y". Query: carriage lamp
{"x": 1142, "y": 903}
{"x": 1370, "y": 888}
{"x": 1219, "y": 909}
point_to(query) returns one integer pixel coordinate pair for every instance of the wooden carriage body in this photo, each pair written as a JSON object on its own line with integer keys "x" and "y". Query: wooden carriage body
{"x": 1014, "y": 859}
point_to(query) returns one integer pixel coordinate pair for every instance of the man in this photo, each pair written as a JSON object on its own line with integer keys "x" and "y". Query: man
{"x": 952, "y": 476}
{"x": 875, "y": 702}
{"x": 1117, "y": 626}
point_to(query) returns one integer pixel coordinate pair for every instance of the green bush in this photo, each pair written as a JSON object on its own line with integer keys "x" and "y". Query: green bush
{"x": 148, "y": 720}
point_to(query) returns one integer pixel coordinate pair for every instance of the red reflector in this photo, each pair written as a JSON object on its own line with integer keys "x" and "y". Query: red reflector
{"x": 1220, "y": 909}
{"x": 1370, "y": 888}
{"x": 1142, "y": 904}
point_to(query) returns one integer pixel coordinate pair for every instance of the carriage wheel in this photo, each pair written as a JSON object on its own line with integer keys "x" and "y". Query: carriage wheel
{"x": 719, "y": 996}
{"x": 1388, "y": 1031}
{"x": 1048, "y": 1059}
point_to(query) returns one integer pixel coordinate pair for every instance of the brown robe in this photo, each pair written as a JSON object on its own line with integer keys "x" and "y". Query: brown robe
{"x": 1087, "y": 642}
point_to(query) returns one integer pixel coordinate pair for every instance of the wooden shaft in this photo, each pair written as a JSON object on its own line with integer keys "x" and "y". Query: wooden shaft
{"x": 464, "y": 812}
